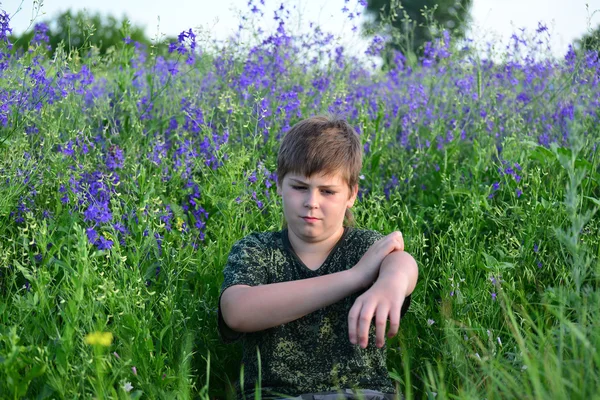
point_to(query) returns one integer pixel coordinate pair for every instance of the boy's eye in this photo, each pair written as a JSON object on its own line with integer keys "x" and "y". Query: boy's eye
{"x": 327, "y": 192}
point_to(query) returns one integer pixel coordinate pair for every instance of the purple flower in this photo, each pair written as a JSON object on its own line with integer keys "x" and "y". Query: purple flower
{"x": 114, "y": 158}
{"x": 493, "y": 296}
{"x": 41, "y": 34}
{"x": 519, "y": 192}
{"x": 252, "y": 177}
{"x": 104, "y": 243}
{"x": 367, "y": 147}
{"x": 4, "y": 24}
{"x": 68, "y": 149}
{"x": 91, "y": 234}
{"x": 98, "y": 213}
{"x": 536, "y": 248}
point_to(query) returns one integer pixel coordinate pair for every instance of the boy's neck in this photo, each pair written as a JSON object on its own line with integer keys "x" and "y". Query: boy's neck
{"x": 311, "y": 250}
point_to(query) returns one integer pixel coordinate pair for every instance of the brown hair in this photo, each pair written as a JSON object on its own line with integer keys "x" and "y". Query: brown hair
{"x": 325, "y": 145}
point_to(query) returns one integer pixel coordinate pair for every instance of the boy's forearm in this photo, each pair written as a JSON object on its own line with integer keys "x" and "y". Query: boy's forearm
{"x": 251, "y": 309}
{"x": 401, "y": 269}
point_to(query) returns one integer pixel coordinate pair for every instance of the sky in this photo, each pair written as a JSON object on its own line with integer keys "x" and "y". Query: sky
{"x": 492, "y": 19}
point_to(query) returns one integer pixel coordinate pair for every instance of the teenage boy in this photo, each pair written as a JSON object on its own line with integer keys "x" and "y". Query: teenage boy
{"x": 303, "y": 298}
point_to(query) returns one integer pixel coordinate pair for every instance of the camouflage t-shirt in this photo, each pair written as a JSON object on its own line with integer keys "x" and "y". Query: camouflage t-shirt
{"x": 312, "y": 353}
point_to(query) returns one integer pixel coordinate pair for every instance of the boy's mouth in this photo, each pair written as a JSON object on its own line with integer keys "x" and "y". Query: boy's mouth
{"x": 310, "y": 219}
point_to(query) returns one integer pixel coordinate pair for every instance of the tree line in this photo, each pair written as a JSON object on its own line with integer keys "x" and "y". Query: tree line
{"x": 408, "y": 24}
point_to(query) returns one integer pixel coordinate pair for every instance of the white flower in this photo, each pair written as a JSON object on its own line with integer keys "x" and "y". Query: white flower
{"x": 127, "y": 387}
{"x": 430, "y": 322}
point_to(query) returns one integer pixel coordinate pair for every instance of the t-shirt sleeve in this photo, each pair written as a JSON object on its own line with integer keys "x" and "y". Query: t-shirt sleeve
{"x": 245, "y": 266}
{"x": 405, "y": 306}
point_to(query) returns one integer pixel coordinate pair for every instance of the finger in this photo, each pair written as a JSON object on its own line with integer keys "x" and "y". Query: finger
{"x": 353, "y": 321}
{"x": 396, "y": 245}
{"x": 364, "y": 323}
{"x": 381, "y": 317}
{"x": 397, "y": 241}
{"x": 401, "y": 241}
{"x": 394, "y": 320}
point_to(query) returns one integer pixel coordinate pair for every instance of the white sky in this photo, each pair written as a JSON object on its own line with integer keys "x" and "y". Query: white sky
{"x": 567, "y": 19}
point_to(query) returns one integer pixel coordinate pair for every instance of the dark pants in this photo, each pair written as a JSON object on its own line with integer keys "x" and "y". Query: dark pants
{"x": 346, "y": 394}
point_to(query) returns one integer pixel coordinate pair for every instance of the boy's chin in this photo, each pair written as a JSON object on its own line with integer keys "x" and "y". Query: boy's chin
{"x": 313, "y": 233}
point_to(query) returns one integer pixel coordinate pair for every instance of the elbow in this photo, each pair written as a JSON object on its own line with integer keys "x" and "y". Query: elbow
{"x": 230, "y": 319}
{"x": 406, "y": 267}
{"x": 412, "y": 270}
{"x": 414, "y": 267}
{"x": 232, "y": 315}
{"x": 413, "y": 264}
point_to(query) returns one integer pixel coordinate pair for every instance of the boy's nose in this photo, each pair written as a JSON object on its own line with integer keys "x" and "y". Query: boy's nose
{"x": 311, "y": 201}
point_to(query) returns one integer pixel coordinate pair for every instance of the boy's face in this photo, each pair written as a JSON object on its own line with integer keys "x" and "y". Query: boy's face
{"x": 314, "y": 207}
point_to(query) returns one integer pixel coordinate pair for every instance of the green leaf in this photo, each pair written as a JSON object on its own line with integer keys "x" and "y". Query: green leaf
{"x": 136, "y": 395}
{"x": 375, "y": 160}
{"x": 36, "y": 371}
{"x": 593, "y": 200}
{"x": 505, "y": 265}
{"x": 26, "y": 272}
{"x": 542, "y": 154}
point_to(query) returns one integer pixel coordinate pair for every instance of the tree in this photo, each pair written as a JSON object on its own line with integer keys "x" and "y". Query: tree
{"x": 78, "y": 32}
{"x": 589, "y": 41}
{"x": 416, "y": 21}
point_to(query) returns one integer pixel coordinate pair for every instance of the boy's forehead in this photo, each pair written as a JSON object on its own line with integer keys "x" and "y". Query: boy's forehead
{"x": 323, "y": 178}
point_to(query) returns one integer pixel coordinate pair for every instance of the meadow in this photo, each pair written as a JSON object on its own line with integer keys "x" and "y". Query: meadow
{"x": 127, "y": 177}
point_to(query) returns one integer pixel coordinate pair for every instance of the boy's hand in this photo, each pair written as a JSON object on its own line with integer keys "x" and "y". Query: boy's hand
{"x": 383, "y": 300}
{"x": 368, "y": 266}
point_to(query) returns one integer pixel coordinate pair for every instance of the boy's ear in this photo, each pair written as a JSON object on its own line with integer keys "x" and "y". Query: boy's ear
{"x": 353, "y": 195}
{"x": 278, "y": 188}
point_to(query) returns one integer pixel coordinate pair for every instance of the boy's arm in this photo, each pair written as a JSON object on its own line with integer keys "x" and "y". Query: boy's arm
{"x": 401, "y": 268}
{"x": 397, "y": 279}
{"x": 255, "y": 308}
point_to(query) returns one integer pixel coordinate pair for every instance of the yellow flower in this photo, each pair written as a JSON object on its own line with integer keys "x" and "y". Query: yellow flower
{"x": 99, "y": 338}
{"x": 179, "y": 224}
